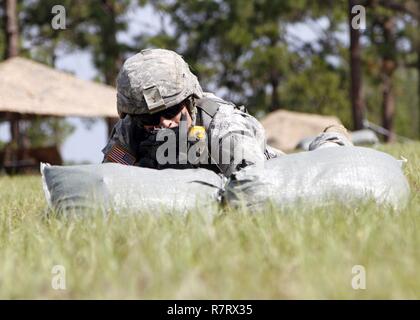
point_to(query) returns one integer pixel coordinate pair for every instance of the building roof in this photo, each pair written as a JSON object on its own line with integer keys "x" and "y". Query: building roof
{"x": 285, "y": 129}
{"x": 29, "y": 87}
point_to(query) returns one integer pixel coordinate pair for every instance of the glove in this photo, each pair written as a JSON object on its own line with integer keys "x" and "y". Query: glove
{"x": 180, "y": 159}
{"x": 147, "y": 151}
{"x": 189, "y": 143}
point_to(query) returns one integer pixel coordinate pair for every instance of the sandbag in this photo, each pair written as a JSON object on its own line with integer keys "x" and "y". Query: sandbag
{"x": 363, "y": 137}
{"x": 348, "y": 175}
{"x": 116, "y": 187}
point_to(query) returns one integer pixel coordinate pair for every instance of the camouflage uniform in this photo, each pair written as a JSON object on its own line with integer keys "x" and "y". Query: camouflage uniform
{"x": 228, "y": 128}
{"x": 156, "y": 79}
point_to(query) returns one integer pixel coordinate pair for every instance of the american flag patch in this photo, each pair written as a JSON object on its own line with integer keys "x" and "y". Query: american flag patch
{"x": 119, "y": 155}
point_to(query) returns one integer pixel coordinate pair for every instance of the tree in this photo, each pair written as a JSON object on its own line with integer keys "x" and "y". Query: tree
{"x": 25, "y": 133}
{"x": 12, "y": 50}
{"x": 383, "y": 36}
{"x": 11, "y": 28}
{"x": 48, "y": 131}
{"x": 241, "y": 48}
{"x": 410, "y": 9}
{"x": 91, "y": 25}
{"x": 108, "y": 54}
{"x": 356, "y": 94}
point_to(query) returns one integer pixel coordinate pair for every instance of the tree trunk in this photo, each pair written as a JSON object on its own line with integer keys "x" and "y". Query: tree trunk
{"x": 14, "y": 130}
{"x": 418, "y": 83}
{"x": 12, "y": 50}
{"x": 274, "y": 81}
{"x": 111, "y": 52}
{"x": 356, "y": 93}
{"x": 388, "y": 102}
{"x": 418, "y": 69}
{"x": 275, "y": 100}
{"x": 12, "y": 30}
{"x": 388, "y": 67}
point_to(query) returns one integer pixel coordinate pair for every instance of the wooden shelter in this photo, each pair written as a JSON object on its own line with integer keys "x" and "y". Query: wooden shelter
{"x": 29, "y": 88}
{"x": 285, "y": 129}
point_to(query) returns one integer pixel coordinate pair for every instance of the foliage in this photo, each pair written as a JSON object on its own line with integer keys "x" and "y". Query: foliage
{"x": 237, "y": 47}
{"x": 248, "y": 51}
{"x": 2, "y": 35}
{"x": 325, "y": 91}
{"x": 89, "y": 25}
{"x": 48, "y": 131}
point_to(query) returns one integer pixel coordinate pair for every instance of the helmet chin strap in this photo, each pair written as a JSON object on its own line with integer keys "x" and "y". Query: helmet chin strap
{"x": 183, "y": 117}
{"x": 192, "y": 109}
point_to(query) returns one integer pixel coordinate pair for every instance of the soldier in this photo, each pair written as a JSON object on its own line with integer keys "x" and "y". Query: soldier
{"x": 167, "y": 121}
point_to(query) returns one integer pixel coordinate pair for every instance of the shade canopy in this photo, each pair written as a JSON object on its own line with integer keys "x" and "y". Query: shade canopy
{"x": 285, "y": 129}
{"x": 31, "y": 88}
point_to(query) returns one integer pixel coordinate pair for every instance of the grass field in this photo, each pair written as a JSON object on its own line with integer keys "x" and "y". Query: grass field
{"x": 236, "y": 255}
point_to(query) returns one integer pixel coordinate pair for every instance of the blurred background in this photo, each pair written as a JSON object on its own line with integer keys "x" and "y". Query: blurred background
{"x": 291, "y": 62}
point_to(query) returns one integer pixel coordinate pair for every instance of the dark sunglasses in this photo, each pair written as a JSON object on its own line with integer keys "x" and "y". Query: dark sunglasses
{"x": 154, "y": 119}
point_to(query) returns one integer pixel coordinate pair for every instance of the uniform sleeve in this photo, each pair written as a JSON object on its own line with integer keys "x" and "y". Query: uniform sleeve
{"x": 237, "y": 139}
{"x": 329, "y": 139}
{"x": 122, "y": 145}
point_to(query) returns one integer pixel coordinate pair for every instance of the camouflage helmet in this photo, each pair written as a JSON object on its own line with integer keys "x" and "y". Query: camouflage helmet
{"x": 154, "y": 80}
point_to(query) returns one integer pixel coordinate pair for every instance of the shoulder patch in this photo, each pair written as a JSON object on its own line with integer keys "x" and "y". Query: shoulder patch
{"x": 208, "y": 105}
{"x": 120, "y": 155}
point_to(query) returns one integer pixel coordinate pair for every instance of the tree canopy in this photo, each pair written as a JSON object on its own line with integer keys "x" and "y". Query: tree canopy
{"x": 265, "y": 54}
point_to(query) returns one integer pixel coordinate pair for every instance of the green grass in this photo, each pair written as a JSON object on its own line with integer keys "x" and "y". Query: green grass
{"x": 271, "y": 254}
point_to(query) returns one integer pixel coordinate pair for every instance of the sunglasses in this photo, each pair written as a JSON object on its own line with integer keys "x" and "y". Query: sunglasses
{"x": 154, "y": 119}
